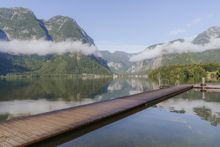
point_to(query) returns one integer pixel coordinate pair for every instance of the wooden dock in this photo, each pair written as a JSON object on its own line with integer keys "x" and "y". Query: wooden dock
{"x": 207, "y": 86}
{"x": 29, "y": 130}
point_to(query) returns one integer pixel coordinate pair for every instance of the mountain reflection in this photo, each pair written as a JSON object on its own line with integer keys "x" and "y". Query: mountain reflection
{"x": 205, "y": 105}
{"x": 51, "y": 88}
{"x": 33, "y": 96}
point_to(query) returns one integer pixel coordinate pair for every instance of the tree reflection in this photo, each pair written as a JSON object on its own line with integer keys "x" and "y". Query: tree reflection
{"x": 205, "y": 105}
{"x": 38, "y": 95}
{"x": 206, "y": 114}
{"x": 52, "y": 89}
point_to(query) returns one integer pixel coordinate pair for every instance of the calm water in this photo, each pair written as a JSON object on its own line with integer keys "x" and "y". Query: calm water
{"x": 32, "y": 96}
{"x": 191, "y": 119}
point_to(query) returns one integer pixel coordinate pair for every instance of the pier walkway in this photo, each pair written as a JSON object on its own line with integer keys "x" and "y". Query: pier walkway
{"x": 32, "y": 129}
{"x": 207, "y": 86}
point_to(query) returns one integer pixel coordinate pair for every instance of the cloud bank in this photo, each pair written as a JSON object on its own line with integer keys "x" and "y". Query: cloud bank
{"x": 42, "y": 47}
{"x": 176, "y": 47}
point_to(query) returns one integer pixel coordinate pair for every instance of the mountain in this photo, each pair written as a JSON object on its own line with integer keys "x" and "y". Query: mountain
{"x": 7, "y": 65}
{"x": 22, "y": 24}
{"x": 211, "y": 55}
{"x": 3, "y": 36}
{"x": 144, "y": 66}
{"x": 51, "y": 64}
{"x": 206, "y": 36}
{"x": 117, "y": 61}
{"x": 177, "y": 40}
{"x": 63, "y": 28}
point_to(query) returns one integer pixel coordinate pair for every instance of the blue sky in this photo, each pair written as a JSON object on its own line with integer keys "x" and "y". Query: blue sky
{"x": 130, "y": 25}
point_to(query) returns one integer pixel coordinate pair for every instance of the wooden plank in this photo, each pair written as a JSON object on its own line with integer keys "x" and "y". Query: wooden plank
{"x": 32, "y": 129}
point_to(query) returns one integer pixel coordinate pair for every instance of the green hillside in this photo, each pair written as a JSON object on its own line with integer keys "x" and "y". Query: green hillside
{"x": 210, "y": 56}
{"x": 52, "y": 64}
{"x": 22, "y": 24}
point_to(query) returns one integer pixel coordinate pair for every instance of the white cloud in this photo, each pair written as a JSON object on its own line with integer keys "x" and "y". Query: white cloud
{"x": 31, "y": 107}
{"x": 177, "y": 47}
{"x": 177, "y": 31}
{"x": 42, "y": 47}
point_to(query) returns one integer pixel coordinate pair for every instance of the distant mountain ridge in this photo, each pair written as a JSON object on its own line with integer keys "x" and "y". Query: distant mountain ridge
{"x": 22, "y": 24}
{"x": 117, "y": 61}
{"x": 203, "y": 57}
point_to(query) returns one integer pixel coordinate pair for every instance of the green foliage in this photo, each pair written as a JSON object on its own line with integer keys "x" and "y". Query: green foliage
{"x": 206, "y": 57}
{"x": 72, "y": 64}
{"x": 211, "y": 67}
{"x": 183, "y": 73}
{"x": 218, "y": 73}
{"x": 51, "y": 64}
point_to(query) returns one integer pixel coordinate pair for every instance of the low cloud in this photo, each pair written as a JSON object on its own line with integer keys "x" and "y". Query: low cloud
{"x": 42, "y": 47}
{"x": 177, "y": 47}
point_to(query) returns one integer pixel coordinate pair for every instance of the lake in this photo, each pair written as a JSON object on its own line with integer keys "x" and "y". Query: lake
{"x": 187, "y": 120}
{"x": 191, "y": 119}
{"x": 23, "y": 97}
